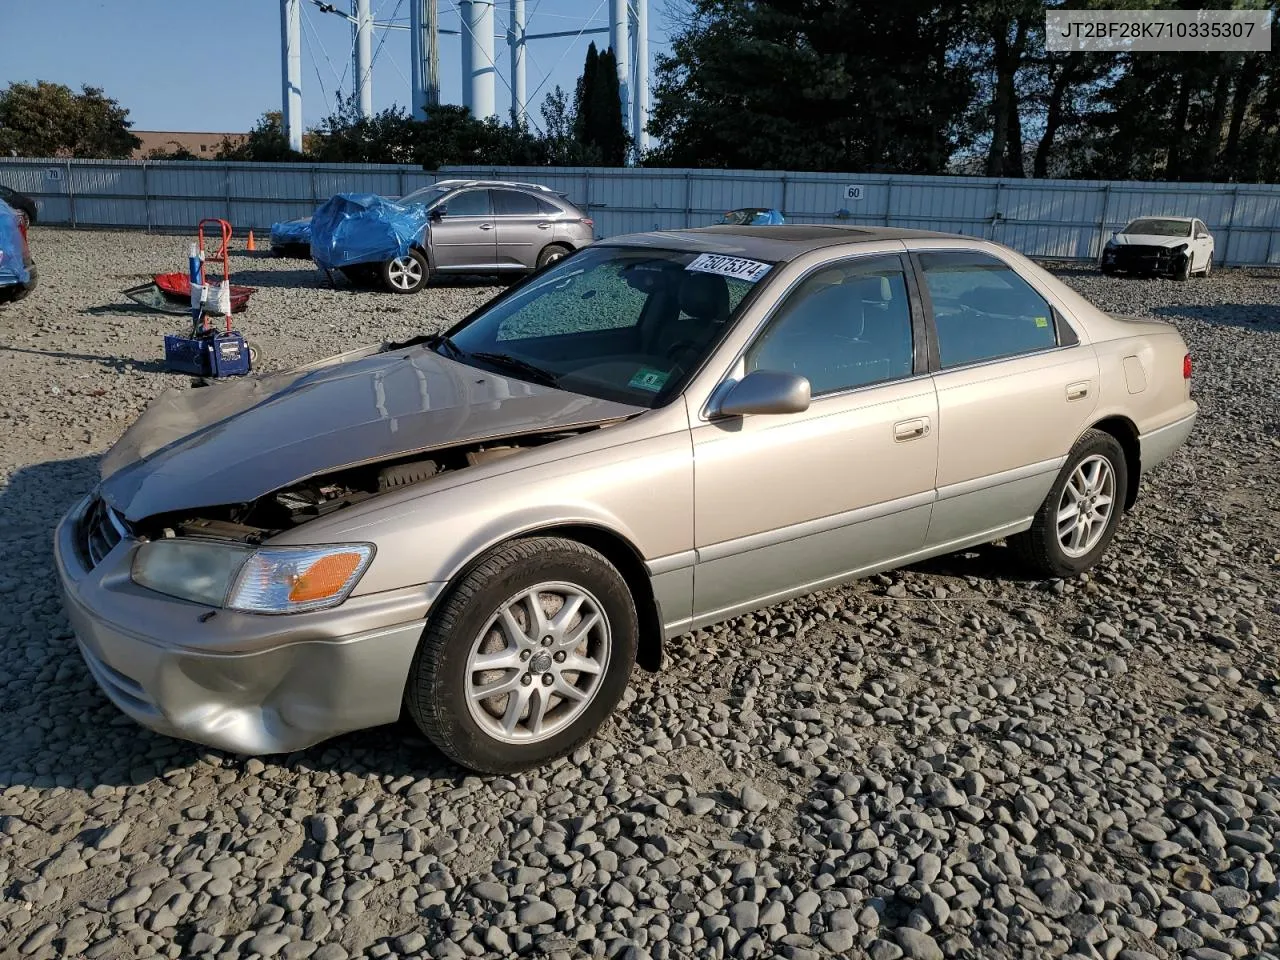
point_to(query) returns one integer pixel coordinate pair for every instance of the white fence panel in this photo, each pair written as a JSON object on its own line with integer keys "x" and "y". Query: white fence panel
{"x": 1068, "y": 219}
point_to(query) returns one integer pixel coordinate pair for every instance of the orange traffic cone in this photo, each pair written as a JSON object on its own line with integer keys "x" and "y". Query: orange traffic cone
{"x": 251, "y": 244}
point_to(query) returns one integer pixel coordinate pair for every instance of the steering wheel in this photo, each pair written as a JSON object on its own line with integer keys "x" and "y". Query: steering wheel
{"x": 677, "y": 350}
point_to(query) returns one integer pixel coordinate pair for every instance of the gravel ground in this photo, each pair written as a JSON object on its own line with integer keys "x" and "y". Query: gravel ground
{"x": 947, "y": 761}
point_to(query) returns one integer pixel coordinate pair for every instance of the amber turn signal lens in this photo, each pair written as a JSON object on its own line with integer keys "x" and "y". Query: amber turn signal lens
{"x": 325, "y": 577}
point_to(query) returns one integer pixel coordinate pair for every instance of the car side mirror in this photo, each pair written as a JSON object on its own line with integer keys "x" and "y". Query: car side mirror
{"x": 436, "y": 214}
{"x": 766, "y": 391}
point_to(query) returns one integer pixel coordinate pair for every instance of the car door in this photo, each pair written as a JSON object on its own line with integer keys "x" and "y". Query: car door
{"x": 1015, "y": 390}
{"x": 1201, "y": 245}
{"x": 523, "y": 229}
{"x": 462, "y": 235}
{"x": 787, "y": 503}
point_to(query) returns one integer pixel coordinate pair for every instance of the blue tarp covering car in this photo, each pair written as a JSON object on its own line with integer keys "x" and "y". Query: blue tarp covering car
{"x": 291, "y": 238}
{"x": 753, "y": 216}
{"x": 17, "y": 273}
{"x": 356, "y": 228}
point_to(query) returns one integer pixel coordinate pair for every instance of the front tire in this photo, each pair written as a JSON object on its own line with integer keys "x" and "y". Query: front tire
{"x": 528, "y": 654}
{"x": 407, "y": 274}
{"x": 1075, "y": 524}
{"x": 1182, "y": 271}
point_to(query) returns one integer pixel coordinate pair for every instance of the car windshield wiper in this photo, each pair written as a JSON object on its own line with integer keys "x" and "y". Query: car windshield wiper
{"x": 534, "y": 373}
{"x": 446, "y": 341}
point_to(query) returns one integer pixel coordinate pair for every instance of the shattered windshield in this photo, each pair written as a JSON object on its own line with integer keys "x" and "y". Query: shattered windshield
{"x": 629, "y": 324}
{"x": 1159, "y": 228}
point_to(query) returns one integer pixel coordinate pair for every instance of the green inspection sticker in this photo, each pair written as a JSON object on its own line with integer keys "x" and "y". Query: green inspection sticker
{"x": 647, "y": 378}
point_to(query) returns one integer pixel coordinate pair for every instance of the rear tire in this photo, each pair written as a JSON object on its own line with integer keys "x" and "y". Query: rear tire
{"x": 1208, "y": 267}
{"x": 1075, "y": 524}
{"x": 551, "y": 253}
{"x": 544, "y": 708}
{"x": 407, "y": 274}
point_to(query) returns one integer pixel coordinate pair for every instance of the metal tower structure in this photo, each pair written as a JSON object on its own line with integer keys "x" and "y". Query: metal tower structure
{"x": 628, "y": 30}
{"x": 291, "y": 71}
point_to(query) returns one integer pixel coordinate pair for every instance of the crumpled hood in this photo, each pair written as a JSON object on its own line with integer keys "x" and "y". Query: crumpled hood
{"x": 1147, "y": 240}
{"x": 233, "y": 442}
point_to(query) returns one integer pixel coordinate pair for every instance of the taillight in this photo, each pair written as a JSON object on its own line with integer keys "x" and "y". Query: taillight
{"x": 1186, "y": 367}
{"x": 586, "y": 221}
{"x": 23, "y": 223}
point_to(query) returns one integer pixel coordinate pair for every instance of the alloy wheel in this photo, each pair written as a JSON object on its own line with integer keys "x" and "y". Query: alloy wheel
{"x": 1085, "y": 509}
{"x": 404, "y": 273}
{"x": 538, "y": 663}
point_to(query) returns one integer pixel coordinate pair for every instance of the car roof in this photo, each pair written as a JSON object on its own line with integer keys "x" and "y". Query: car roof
{"x": 1162, "y": 216}
{"x": 774, "y": 243}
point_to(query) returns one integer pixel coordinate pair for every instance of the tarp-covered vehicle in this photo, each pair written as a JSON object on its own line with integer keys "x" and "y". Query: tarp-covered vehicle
{"x": 292, "y": 238}
{"x": 492, "y": 227}
{"x": 753, "y": 217}
{"x": 364, "y": 235}
{"x": 17, "y": 269}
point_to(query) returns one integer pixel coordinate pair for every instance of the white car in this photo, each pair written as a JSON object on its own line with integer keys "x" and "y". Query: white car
{"x": 1173, "y": 247}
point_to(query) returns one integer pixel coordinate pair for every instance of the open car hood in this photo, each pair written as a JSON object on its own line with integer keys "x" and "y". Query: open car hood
{"x": 1147, "y": 240}
{"x": 233, "y": 442}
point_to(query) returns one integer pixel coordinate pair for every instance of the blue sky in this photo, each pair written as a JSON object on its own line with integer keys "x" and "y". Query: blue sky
{"x": 184, "y": 65}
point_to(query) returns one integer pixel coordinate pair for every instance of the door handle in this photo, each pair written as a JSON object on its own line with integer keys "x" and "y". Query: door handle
{"x": 1078, "y": 391}
{"x": 486, "y": 226}
{"x": 544, "y": 226}
{"x": 910, "y": 429}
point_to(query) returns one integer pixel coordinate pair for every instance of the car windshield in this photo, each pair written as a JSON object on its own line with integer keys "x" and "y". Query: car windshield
{"x": 1159, "y": 228}
{"x": 629, "y": 324}
{"x": 425, "y": 195}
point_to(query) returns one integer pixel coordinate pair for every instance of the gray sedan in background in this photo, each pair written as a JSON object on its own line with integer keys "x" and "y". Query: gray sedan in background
{"x": 489, "y": 527}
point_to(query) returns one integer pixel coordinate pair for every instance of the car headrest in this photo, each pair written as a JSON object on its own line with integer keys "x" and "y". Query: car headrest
{"x": 875, "y": 289}
{"x": 705, "y": 296}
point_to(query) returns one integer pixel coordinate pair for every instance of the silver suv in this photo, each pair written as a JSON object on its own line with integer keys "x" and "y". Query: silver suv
{"x": 488, "y": 226}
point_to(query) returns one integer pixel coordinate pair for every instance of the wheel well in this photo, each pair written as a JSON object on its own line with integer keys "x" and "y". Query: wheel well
{"x": 1126, "y": 434}
{"x": 628, "y": 562}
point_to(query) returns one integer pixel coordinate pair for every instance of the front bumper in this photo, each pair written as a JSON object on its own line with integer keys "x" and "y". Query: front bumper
{"x": 245, "y": 683}
{"x": 1143, "y": 259}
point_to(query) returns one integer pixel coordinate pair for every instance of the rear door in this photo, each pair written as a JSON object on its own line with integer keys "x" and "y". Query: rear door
{"x": 1015, "y": 390}
{"x": 523, "y": 228}
{"x": 464, "y": 237}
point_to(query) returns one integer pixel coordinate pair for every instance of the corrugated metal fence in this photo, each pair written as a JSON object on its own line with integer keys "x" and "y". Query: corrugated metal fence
{"x": 1068, "y": 219}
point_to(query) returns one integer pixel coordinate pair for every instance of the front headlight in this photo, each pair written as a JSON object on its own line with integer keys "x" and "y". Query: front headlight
{"x": 1180, "y": 248}
{"x": 1111, "y": 244}
{"x": 189, "y": 569}
{"x": 262, "y": 580}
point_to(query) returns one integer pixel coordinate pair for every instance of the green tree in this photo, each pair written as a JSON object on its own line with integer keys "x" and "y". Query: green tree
{"x": 815, "y": 85}
{"x": 598, "y": 123}
{"x": 49, "y": 119}
{"x": 266, "y": 142}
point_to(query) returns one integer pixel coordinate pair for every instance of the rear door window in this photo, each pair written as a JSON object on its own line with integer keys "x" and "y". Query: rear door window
{"x": 513, "y": 203}
{"x": 983, "y": 310}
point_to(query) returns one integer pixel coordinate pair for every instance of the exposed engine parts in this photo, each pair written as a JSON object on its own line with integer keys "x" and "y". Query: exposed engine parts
{"x": 323, "y": 495}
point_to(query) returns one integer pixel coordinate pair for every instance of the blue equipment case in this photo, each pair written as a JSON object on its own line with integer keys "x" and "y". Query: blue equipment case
{"x": 210, "y": 355}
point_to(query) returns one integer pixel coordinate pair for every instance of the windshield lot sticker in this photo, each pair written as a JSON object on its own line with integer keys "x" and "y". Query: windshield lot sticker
{"x": 646, "y": 378}
{"x": 1042, "y": 321}
{"x": 740, "y": 267}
